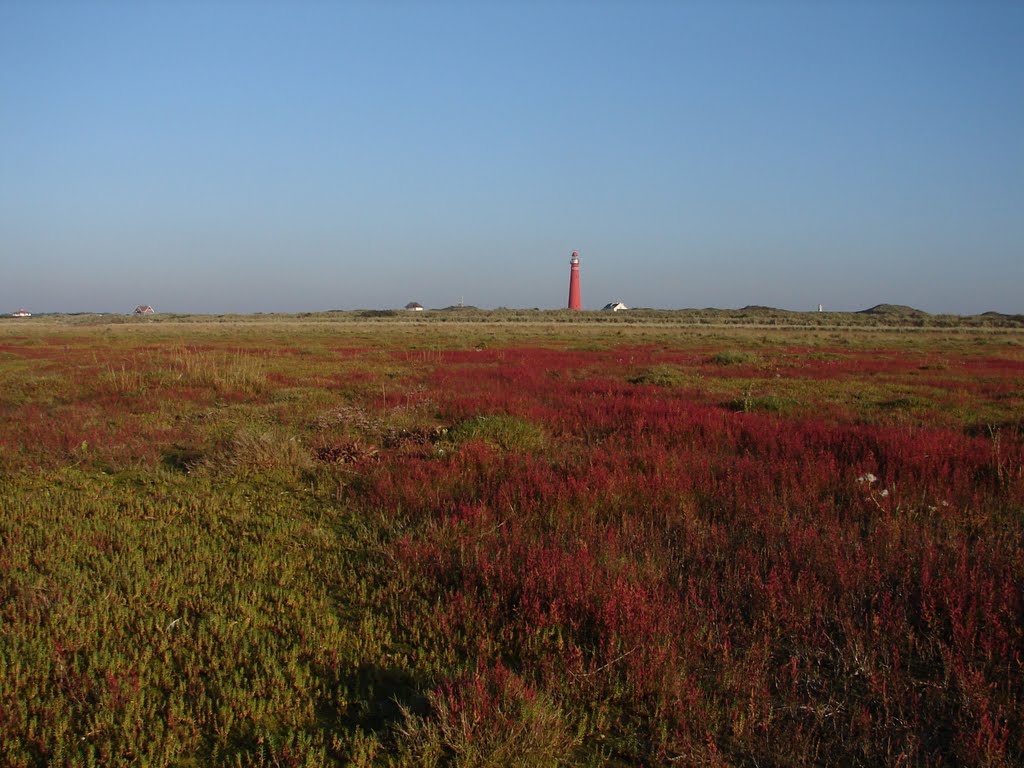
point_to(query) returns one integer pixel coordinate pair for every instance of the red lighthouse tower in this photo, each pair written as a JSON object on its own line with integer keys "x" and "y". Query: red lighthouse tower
{"x": 574, "y": 281}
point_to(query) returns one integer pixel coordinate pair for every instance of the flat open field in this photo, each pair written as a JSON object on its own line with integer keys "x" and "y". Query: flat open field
{"x": 305, "y": 542}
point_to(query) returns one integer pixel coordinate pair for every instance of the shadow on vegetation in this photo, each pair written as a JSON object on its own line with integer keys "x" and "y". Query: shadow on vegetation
{"x": 995, "y": 431}
{"x": 381, "y": 695}
{"x": 180, "y": 458}
{"x": 901, "y": 404}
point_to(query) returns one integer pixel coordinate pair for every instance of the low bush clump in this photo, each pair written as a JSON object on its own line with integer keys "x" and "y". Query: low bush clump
{"x": 489, "y": 718}
{"x": 750, "y": 403}
{"x": 509, "y": 433}
{"x": 252, "y": 452}
{"x": 658, "y": 376}
{"x": 735, "y": 357}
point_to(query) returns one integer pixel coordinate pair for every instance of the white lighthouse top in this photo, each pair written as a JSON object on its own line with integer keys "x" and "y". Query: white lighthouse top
{"x": 575, "y": 259}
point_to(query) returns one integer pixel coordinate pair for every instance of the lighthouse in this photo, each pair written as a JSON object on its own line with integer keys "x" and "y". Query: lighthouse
{"x": 574, "y": 281}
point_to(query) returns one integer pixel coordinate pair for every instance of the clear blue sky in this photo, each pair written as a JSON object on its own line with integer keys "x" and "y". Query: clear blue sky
{"x": 246, "y": 156}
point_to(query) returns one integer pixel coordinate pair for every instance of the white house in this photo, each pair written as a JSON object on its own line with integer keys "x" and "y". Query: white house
{"x": 615, "y": 306}
{"x": 21, "y": 313}
{"x": 143, "y": 309}
{"x": 412, "y": 306}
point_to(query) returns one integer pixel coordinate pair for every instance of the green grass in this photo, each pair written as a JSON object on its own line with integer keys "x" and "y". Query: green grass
{"x": 183, "y": 620}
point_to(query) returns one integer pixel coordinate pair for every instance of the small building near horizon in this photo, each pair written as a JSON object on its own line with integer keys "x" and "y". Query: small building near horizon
{"x": 413, "y": 306}
{"x": 615, "y": 306}
{"x": 144, "y": 309}
{"x": 21, "y": 313}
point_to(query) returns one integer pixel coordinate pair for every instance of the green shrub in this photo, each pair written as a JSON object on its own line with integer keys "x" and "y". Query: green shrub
{"x": 750, "y": 403}
{"x": 517, "y": 727}
{"x": 659, "y": 376}
{"x": 509, "y": 433}
{"x": 736, "y": 357}
{"x": 250, "y": 452}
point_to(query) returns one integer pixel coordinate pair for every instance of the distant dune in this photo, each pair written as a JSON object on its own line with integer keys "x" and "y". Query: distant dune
{"x": 892, "y": 309}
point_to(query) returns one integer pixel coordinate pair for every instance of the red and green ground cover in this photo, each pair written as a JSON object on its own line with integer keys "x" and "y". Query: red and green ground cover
{"x": 322, "y": 544}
